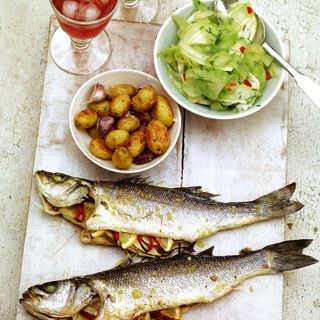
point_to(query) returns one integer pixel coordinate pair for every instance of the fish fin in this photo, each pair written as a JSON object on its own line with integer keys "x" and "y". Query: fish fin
{"x": 189, "y": 249}
{"x": 207, "y": 252}
{"x": 288, "y": 255}
{"x": 278, "y": 204}
{"x": 125, "y": 262}
{"x": 197, "y": 190}
{"x": 136, "y": 180}
{"x": 189, "y": 189}
{"x": 245, "y": 250}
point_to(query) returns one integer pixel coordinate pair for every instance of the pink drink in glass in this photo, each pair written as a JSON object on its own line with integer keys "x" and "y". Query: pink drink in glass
{"x": 87, "y": 13}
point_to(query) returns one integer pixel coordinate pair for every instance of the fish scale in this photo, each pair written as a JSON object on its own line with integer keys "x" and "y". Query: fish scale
{"x": 168, "y": 212}
{"x": 135, "y": 207}
{"x": 185, "y": 279}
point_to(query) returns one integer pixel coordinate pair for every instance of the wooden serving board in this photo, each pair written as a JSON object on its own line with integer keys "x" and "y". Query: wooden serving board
{"x": 239, "y": 159}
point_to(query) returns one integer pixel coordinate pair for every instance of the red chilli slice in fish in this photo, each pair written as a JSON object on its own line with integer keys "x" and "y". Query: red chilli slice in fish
{"x": 80, "y": 214}
{"x": 116, "y": 235}
{"x": 88, "y": 316}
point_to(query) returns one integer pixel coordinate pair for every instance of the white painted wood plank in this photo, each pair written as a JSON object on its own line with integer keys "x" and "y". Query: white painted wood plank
{"x": 241, "y": 160}
{"x": 22, "y": 67}
{"x": 59, "y": 239}
{"x": 52, "y": 247}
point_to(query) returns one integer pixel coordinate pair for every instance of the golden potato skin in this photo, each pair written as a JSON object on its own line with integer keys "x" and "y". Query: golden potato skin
{"x": 163, "y": 112}
{"x": 145, "y": 99}
{"x": 99, "y": 148}
{"x": 102, "y": 108}
{"x": 122, "y": 88}
{"x": 117, "y": 138}
{"x": 137, "y": 142}
{"x": 122, "y": 158}
{"x": 157, "y": 136}
{"x": 128, "y": 123}
{"x": 86, "y": 119}
{"x": 93, "y": 132}
{"x": 120, "y": 105}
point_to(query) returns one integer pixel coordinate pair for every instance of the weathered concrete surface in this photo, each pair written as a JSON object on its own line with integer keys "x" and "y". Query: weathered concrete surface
{"x": 23, "y": 40}
{"x": 301, "y": 22}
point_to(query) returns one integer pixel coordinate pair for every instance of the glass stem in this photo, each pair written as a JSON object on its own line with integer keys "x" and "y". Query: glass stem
{"x": 80, "y": 44}
{"x": 130, "y": 3}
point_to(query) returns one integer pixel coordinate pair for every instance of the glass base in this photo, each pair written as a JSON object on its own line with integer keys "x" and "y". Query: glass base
{"x": 79, "y": 61}
{"x": 141, "y": 10}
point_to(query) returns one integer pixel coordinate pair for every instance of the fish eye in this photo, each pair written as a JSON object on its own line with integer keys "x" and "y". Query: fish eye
{"x": 49, "y": 287}
{"x": 58, "y": 177}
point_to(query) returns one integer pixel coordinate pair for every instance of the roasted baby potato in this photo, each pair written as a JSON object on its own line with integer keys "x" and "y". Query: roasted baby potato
{"x": 120, "y": 105}
{"x": 117, "y": 138}
{"x": 102, "y": 108}
{"x": 157, "y": 137}
{"x": 128, "y": 123}
{"x": 163, "y": 112}
{"x": 145, "y": 99}
{"x": 104, "y": 125}
{"x": 137, "y": 142}
{"x": 122, "y": 88}
{"x": 122, "y": 158}
{"x": 86, "y": 119}
{"x": 99, "y": 148}
{"x": 93, "y": 132}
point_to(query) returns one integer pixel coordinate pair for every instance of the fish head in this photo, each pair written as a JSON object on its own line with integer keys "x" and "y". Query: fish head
{"x": 56, "y": 300}
{"x": 61, "y": 190}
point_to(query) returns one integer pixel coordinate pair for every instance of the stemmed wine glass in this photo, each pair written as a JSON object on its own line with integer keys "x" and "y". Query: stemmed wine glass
{"x": 80, "y": 45}
{"x": 141, "y": 10}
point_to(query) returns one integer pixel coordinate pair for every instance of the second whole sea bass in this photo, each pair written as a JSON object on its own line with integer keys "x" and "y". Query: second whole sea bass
{"x": 150, "y": 220}
{"x": 161, "y": 288}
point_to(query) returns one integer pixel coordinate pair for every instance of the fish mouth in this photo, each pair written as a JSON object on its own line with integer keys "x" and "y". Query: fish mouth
{"x": 31, "y": 301}
{"x": 28, "y": 302}
{"x": 73, "y": 192}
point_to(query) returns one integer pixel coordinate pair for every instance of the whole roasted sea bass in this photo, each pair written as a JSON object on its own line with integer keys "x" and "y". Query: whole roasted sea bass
{"x": 161, "y": 288}
{"x": 147, "y": 219}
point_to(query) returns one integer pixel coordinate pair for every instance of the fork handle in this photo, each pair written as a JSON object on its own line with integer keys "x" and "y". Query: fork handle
{"x": 308, "y": 86}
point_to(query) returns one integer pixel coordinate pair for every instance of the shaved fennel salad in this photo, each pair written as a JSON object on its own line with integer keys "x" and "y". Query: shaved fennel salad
{"x": 215, "y": 62}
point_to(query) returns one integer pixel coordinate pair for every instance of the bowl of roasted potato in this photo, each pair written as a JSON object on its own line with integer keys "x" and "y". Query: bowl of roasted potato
{"x": 124, "y": 121}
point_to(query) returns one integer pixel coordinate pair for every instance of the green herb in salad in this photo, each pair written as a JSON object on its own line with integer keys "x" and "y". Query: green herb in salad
{"x": 214, "y": 62}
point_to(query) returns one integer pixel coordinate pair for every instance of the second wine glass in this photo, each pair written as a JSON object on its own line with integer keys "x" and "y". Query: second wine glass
{"x": 141, "y": 10}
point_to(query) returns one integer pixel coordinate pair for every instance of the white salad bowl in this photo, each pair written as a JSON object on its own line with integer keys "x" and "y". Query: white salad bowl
{"x": 168, "y": 36}
{"x": 110, "y": 78}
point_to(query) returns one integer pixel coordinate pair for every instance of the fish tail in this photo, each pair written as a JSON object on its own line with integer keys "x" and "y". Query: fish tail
{"x": 287, "y": 255}
{"x": 278, "y": 203}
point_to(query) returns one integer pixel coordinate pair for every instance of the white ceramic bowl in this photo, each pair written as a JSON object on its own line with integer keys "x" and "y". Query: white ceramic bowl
{"x": 167, "y": 36}
{"x": 110, "y": 78}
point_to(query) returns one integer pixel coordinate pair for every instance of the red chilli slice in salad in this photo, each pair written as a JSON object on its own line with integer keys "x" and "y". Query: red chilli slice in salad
{"x": 247, "y": 83}
{"x": 268, "y": 75}
{"x": 249, "y": 10}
